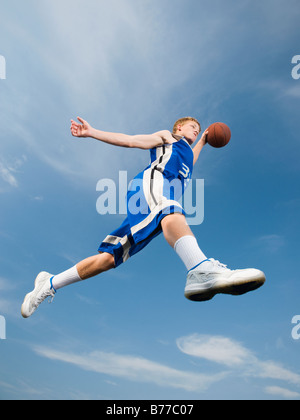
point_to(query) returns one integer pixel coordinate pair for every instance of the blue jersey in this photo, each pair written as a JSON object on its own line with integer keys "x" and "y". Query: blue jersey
{"x": 152, "y": 194}
{"x": 155, "y": 191}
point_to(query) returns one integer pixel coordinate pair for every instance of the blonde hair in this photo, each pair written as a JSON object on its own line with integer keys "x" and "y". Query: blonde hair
{"x": 184, "y": 120}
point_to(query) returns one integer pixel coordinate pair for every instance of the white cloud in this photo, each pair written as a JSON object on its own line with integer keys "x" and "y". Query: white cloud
{"x": 230, "y": 353}
{"x": 23, "y": 387}
{"x": 273, "y": 370}
{"x": 9, "y": 170}
{"x": 293, "y": 91}
{"x": 6, "y": 173}
{"x": 271, "y": 243}
{"x": 134, "y": 368}
{"x": 117, "y": 64}
{"x": 282, "y": 392}
{"x": 217, "y": 349}
{"x": 101, "y": 60}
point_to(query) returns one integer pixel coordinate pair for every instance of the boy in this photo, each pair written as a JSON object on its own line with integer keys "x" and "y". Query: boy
{"x": 172, "y": 159}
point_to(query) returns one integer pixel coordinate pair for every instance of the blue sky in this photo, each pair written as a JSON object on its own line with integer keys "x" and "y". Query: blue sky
{"x": 135, "y": 67}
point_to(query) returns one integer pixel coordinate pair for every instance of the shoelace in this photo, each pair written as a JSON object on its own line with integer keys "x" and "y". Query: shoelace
{"x": 51, "y": 299}
{"x": 52, "y": 294}
{"x": 44, "y": 296}
{"x": 218, "y": 263}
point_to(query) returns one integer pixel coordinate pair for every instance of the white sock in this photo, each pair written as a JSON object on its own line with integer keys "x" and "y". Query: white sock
{"x": 66, "y": 278}
{"x": 188, "y": 250}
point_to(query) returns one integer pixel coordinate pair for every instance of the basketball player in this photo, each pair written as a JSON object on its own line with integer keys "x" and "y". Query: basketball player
{"x": 172, "y": 158}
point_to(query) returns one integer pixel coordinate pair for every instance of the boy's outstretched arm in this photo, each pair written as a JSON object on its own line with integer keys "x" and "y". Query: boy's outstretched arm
{"x": 143, "y": 141}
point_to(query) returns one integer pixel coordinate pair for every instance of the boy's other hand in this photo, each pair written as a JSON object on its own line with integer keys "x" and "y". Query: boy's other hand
{"x": 80, "y": 130}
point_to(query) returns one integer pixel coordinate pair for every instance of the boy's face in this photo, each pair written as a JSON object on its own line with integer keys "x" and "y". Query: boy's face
{"x": 190, "y": 130}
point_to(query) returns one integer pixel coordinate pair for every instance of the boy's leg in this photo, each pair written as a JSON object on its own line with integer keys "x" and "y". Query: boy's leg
{"x": 179, "y": 235}
{"x": 95, "y": 265}
{"x": 84, "y": 270}
{"x": 110, "y": 256}
{"x": 174, "y": 227}
{"x": 46, "y": 284}
{"x": 206, "y": 277}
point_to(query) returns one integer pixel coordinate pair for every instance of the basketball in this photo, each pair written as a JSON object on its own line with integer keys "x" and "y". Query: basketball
{"x": 218, "y": 135}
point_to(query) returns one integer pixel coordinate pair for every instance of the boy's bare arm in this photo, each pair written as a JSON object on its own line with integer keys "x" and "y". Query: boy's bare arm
{"x": 142, "y": 141}
{"x": 199, "y": 146}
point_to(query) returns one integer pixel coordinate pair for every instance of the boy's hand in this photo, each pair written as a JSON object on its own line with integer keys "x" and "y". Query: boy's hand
{"x": 203, "y": 139}
{"x": 80, "y": 130}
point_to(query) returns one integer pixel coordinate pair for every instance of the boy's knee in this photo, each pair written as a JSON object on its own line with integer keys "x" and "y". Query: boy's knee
{"x": 167, "y": 220}
{"x": 109, "y": 260}
{"x": 172, "y": 219}
{"x": 174, "y": 226}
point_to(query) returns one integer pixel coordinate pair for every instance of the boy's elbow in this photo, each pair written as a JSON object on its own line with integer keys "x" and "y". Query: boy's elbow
{"x": 132, "y": 143}
{"x": 129, "y": 142}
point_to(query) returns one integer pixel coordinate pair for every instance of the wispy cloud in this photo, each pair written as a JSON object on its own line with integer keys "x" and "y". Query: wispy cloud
{"x": 95, "y": 67}
{"x": 8, "y": 171}
{"x": 282, "y": 392}
{"x": 134, "y": 368}
{"x": 217, "y": 349}
{"x": 228, "y": 352}
{"x": 237, "y": 360}
{"x": 273, "y": 370}
{"x": 271, "y": 243}
{"x": 23, "y": 387}
{"x": 293, "y": 91}
{"x": 7, "y": 174}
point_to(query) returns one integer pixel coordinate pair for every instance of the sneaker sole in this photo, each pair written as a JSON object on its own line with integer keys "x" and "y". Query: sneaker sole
{"x": 23, "y": 313}
{"x": 238, "y": 288}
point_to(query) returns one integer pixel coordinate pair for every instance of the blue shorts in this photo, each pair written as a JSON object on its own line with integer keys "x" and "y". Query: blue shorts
{"x": 120, "y": 243}
{"x": 153, "y": 194}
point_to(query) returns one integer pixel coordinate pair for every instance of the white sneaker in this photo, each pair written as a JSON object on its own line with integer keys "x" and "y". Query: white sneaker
{"x": 211, "y": 277}
{"x": 42, "y": 290}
